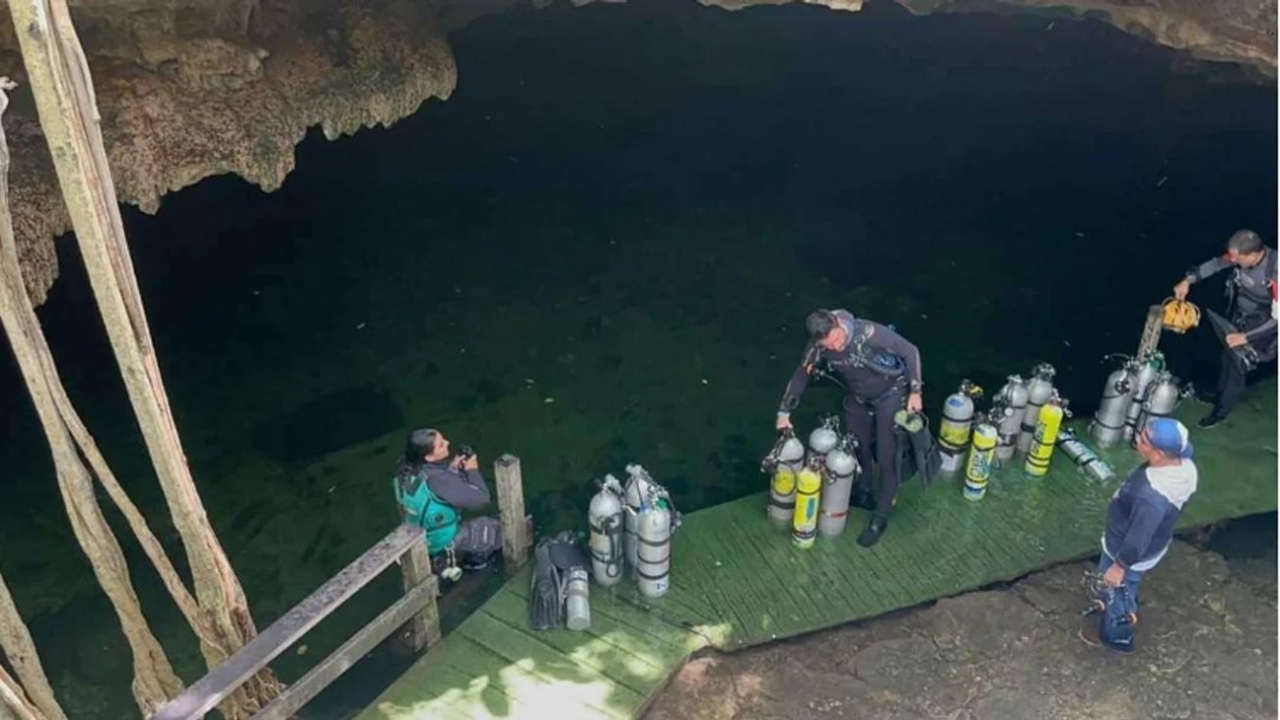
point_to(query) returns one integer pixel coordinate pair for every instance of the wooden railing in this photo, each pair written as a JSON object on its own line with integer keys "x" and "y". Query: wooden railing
{"x": 416, "y": 611}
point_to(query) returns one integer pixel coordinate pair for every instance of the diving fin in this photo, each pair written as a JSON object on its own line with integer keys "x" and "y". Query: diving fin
{"x": 545, "y": 596}
{"x": 1246, "y": 356}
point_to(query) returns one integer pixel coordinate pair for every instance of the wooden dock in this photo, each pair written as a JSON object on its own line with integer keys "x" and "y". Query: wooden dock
{"x": 739, "y": 582}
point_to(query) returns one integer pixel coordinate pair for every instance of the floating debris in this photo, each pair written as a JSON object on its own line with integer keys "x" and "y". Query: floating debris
{"x": 360, "y": 326}
{"x": 1163, "y": 180}
{"x": 548, "y": 401}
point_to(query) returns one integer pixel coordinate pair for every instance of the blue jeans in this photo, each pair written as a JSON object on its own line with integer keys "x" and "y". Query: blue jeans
{"x": 1116, "y": 624}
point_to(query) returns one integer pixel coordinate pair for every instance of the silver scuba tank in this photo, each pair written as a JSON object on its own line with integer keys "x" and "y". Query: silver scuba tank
{"x": 640, "y": 487}
{"x": 841, "y": 472}
{"x": 650, "y": 514}
{"x": 1107, "y": 427}
{"x": 825, "y": 437}
{"x": 782, "y": 464}
{"x": 1094, "y": 467}
{"x": 1162, "y": 398}
{"x": 577, "y": 603}
{"x": 605, "y": 518}
{"x": 1147, "y": 369}
{"x": 956, "y": 425}
{"x": 1039, "y": 390}
{"x": 653, "y": 563}
{"x": 1013, "y": 396}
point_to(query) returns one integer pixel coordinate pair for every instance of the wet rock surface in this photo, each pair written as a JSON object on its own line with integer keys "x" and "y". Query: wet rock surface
{"x": 1206, "y": 649}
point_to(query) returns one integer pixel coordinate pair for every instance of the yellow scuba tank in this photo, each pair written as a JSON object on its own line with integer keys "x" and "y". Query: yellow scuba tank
{"x": 781, "y": 463}
{"x": 981, "y": 457}
{"x": 1045, "y": 437}
{"x": 805, "y": 521}
{"x": 782, "y": 496}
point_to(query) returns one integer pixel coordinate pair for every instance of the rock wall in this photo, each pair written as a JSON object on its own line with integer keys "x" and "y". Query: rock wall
{"x": 188, "y": 89}
{"x": 193, "y": 88}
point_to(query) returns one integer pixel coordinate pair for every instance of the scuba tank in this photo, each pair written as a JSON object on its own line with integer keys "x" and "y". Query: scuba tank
{"x": 825, "y": 437}
{"x": 1013, "y": 396}
{"x": 957, "y": 420}
{"x": 1107, "y": 427}
{"x": 1144, "y": 375}
{"x": 1043, "y": 442}
{"x": 650, "y": 521}
{"x": 1094, "y": 467}
{"x": 1162, "y": 398}
{"x": 782, "y": 462}
{"x": 981, "y": 458}
{"x": 653, "y": 556}
{"x": 804, "y": 526}
{"x": 605, "y": 518}
{"x": 577, "y": 604}
{"x": 842, "y": 469}
{"x": 1039, "y": 390}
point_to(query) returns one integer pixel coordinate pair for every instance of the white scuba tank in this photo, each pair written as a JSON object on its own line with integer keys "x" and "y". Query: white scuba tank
{"x": 1162, "y": 398}
{"x": 605, "y": 518}
{"x": 640, "y": 487}
{"x": 825, "y": 437}
{"x": 956, "y": 425}
{"x": 1148, "y": 368}
{"x": 1039, "y": 390}
{"x": 650, "y": 520}
{"x": 784, "y": 462}
{"x": 653, "y": 564}
{"x": 1013, "y": 398}
{"x": 1107, "y": 427}
{"x": 842, "y": 470}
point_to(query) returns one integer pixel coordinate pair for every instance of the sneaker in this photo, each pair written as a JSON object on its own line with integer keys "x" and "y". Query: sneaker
{"x": 1210, "y": 420}
{"x": 1089, "y": 636}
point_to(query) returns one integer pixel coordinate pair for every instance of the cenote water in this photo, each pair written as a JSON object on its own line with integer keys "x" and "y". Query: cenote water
{"x": 601, "y": 250}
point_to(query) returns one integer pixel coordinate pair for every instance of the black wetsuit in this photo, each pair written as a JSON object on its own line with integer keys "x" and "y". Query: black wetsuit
{"x": 879, "y": 367}
{"x": 1250, "y": 311}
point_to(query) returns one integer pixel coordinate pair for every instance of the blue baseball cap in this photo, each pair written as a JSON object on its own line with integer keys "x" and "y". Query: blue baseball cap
{"x": 1170, "y": 437}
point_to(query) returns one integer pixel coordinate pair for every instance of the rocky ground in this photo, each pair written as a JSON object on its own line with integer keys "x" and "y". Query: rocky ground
{"x": 1206, "y": 649}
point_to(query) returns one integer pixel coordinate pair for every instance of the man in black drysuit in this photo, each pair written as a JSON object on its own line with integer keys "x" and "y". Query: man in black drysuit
{"x": 1252, "y": 292}
{"x": 879, "y": 367}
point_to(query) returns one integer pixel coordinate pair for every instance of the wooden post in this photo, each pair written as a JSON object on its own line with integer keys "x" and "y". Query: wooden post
{"x": 515, "y": 538}
{"x": 423, "y": 629}
{"x": 1151, "y": 331}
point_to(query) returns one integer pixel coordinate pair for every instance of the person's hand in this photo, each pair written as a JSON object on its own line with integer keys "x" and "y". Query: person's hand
{"x": 915, "y": 403}
{"x": 468, "y": 462}
{"x": 1236, "y": 340}
{"x": 1114, "y": 576}
{"x": 784, "y": 423}
{"x": 1181, "y": 289}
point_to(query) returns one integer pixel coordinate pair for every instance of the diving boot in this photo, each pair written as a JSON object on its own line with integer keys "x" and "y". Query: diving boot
{"x": 1214, "y": 418}
{"x": 862, "y": 498}
{"x": 874, "y": 530}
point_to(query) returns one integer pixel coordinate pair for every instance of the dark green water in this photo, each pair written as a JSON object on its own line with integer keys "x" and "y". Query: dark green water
{"x": 601, "y": 249}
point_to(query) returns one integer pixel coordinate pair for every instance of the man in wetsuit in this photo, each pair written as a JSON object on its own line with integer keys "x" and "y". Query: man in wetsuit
{"x": 1252, "y": 292}
{"x": 880, "y": 369}
{"x": 430, "y": 490}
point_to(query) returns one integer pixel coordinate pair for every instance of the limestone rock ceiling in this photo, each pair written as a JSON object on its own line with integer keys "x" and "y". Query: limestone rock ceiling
{"x": 193, "y": 88}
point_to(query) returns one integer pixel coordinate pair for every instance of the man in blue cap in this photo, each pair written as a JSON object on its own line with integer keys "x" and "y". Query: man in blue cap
{"x": 1140, "y": 522}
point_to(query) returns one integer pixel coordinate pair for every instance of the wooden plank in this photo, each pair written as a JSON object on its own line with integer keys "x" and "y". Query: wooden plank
{"x": 322, "y": 675}
{"x": 424, "y": 627}
{"x": 203, "y": 696}
{"x": 510, "y": 488}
